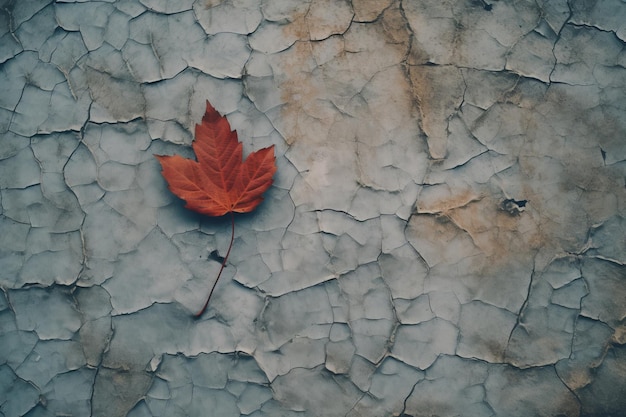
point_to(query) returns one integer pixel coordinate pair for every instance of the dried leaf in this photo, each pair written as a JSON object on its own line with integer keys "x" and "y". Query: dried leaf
{"x": 220, "y": 181}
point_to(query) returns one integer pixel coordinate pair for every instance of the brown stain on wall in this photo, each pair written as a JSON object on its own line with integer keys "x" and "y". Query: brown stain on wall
{"x": 438, "y": 92}
{"x": 496, "y": 233}
{"x": 304, "y": 85}
{"x": 561, "y": 200}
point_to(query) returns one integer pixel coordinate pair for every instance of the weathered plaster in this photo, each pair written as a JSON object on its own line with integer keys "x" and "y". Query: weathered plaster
{"x": 444, "y": 236}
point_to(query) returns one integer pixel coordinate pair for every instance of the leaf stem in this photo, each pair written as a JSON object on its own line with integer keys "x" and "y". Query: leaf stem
{"x": 232, "y": 238}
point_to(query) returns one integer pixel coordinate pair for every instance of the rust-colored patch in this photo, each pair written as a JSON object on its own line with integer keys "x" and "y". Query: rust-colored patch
{"x": 446, "y": 204}
{"x": 494, "y": 232}
{"x": 439, "y": 93}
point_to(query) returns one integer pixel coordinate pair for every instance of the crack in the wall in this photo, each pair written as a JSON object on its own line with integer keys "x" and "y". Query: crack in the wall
{"x": 418, "y": 202}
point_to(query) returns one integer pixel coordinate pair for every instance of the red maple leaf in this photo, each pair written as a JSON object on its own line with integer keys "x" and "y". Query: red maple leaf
{"x": 220, "y": 181}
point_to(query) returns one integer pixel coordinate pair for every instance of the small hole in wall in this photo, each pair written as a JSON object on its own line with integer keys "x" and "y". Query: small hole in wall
{"x": 512, "y": 206}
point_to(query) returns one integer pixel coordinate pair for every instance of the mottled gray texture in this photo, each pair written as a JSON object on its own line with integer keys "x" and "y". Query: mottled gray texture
{"x": 444, "y": 236}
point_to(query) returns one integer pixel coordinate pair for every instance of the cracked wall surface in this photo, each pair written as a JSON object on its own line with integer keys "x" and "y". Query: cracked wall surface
{"x": 445, "y": 234}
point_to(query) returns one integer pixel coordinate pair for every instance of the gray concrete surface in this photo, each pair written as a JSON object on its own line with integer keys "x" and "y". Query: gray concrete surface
{"x": 445, "y": 235}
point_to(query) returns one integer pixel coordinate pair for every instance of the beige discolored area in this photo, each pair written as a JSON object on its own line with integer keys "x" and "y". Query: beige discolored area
{"x": 444, "y": 234}
{"x": 516, "y": 167}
